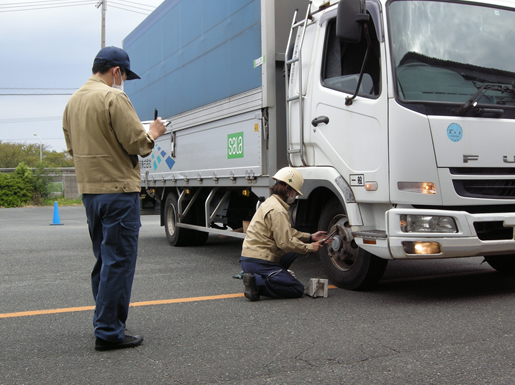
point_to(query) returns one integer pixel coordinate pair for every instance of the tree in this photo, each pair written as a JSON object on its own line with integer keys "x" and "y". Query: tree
{"x": 58, "y": 159}
{"x": 12, "y": 154}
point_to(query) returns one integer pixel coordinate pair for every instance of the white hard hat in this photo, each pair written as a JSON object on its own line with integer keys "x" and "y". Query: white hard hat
{"x": 291, "y": 177}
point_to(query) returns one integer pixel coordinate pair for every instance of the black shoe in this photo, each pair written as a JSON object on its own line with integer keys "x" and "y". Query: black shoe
{"x": 250, "y": 287}
{"x": 128, "y": 342}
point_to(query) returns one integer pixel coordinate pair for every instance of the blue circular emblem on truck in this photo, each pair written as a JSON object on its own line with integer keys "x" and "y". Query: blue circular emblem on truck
{"x": 455, "y": 132}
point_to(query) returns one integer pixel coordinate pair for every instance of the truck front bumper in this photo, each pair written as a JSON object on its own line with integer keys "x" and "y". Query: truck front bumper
{"x": 469, "y": 239}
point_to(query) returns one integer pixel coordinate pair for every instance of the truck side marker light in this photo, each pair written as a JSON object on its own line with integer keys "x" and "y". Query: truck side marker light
{"x": 422, "y": 248}
{"x": 417, "y": 187}
{"x": 371, "y": 186}
{"x": 369, "y": 242}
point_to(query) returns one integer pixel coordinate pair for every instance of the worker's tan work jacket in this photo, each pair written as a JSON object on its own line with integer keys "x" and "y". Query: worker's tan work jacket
{"x": 104, "y": 135}
{"x": 270, "y": 235}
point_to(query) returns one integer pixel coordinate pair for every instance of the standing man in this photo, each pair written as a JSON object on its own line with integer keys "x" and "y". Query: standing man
{"x": 104, "y": 135}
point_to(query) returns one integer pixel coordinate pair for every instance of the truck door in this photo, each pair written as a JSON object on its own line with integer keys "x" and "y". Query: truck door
{"x": 351, "y": 136}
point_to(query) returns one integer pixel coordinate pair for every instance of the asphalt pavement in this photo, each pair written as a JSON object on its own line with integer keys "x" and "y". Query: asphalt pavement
{"x": 427, "y": 322}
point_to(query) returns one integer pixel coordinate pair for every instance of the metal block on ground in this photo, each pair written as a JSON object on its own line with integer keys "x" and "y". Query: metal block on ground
{"x": 317, "y": 287}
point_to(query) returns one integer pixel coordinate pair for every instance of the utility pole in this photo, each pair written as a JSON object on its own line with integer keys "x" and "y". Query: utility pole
{"x": 103, "y": 3}
{"x": 40, "y": 145}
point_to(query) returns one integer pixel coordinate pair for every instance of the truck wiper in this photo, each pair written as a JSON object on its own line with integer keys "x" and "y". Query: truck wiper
{"x": 472, "y": 102}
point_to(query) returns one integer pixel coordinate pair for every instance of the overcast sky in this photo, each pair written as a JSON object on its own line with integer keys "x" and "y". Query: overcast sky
{"x": 51, "y": 50}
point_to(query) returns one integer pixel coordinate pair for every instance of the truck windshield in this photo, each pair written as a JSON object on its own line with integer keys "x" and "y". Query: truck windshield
{"x": 445, "y": 52}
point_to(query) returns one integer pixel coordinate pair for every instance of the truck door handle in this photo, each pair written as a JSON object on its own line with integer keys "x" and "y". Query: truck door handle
{"x": 320, "y": 119}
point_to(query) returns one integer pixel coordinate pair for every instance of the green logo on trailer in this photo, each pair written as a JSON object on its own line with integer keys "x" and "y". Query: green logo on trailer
{"x": 235, "y": 145}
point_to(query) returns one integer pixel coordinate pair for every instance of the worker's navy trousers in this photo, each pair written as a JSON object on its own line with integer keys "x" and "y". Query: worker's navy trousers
{"x": 273, "y": 279}
{"x": 114, "y": 222}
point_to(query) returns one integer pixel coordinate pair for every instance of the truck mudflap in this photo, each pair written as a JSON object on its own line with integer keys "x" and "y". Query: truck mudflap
{"x": 433, "y": 234}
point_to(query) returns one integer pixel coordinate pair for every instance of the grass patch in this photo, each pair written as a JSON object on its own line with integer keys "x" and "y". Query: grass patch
{"x": 62, "y": 201}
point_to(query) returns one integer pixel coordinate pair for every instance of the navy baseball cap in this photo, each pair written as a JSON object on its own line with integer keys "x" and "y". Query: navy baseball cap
{"x": 117, "y": 57}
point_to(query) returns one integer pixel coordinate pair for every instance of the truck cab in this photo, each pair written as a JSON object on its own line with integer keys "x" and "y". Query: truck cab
{"x": 412, "y": 104}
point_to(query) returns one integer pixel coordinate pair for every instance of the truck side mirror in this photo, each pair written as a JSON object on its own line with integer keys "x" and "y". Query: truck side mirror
{"x": 350, "y": 17}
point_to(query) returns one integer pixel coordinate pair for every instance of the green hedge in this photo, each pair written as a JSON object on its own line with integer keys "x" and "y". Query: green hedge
{"x": 23, "y": 186}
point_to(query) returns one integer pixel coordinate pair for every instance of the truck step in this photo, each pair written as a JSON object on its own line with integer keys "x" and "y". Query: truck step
{"x": 369, "y": 234}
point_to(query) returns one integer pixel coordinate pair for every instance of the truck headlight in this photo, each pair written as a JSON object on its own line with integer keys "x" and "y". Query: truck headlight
{"x": 427, "y": 224}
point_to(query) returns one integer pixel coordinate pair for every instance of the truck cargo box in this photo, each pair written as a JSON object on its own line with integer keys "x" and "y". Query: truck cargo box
{"x": 192, "y": 53}
{"x": 215, "y": 69}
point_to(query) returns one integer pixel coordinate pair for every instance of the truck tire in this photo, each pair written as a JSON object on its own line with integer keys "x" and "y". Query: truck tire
{"x": 504, "y": 264}
{"x": 178, "y": 236}
{"x": 345, "y": 263}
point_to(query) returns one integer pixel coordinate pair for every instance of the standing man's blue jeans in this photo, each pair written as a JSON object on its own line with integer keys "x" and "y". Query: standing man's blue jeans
{"x": 273, "y": 279}
{"x": 114, "y": 222}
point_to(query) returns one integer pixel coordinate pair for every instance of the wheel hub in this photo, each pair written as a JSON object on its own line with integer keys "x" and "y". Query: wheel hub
{"x": 170, "y": 219}
{"x": 342, "y": 250}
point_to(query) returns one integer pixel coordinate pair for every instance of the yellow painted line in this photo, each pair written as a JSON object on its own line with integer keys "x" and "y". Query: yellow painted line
{"x": 180, "y": 300}
{"x": 48, "y": 311}
{"x": 134, "y": 304}
{"x": 209, "y": 298}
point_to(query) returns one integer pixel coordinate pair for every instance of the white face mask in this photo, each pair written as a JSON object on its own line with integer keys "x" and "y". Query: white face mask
{"x": 118, "y": 87}
{"x": 290, "y": 199}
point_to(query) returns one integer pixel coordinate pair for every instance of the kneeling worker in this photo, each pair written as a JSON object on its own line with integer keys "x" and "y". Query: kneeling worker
{"x": 271, "y": 244}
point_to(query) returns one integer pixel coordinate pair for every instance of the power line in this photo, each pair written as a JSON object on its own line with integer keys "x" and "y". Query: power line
{"x": 36, "y": 7}
{"x": 29, "y": 3}
{"x": 29, "y": 139}
{"x": 44, "y": 3}
{"x": 142, "y": 5}
{"x": 28, "y": 120}
{"x": 35, "y": 88}
{"x": 125, "y": 5}
{"x": 41, "y": 94}
{"x": 130, "y": 10}
{"x": 51, "y": 4}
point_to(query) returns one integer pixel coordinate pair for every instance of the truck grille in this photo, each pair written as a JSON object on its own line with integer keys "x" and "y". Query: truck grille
{"x": 492, "y": 231}
{"x": 500, "y": 189}
{"x": 481, "y": 209}
{"x": 482, "y": 170}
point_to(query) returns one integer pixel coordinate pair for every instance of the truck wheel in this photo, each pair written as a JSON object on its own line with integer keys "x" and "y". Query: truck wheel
{"x": 504, "y": 264}
{"x": 176, "y": 236}
{"x": 347, "y": 265}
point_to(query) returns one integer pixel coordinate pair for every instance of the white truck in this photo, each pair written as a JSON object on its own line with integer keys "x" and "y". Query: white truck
{"x": 399, "y": 114}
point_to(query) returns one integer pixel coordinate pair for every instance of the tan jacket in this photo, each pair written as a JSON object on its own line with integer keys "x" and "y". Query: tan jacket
{"x": 104, "y": 135}
{"x": 270, "y": 235}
